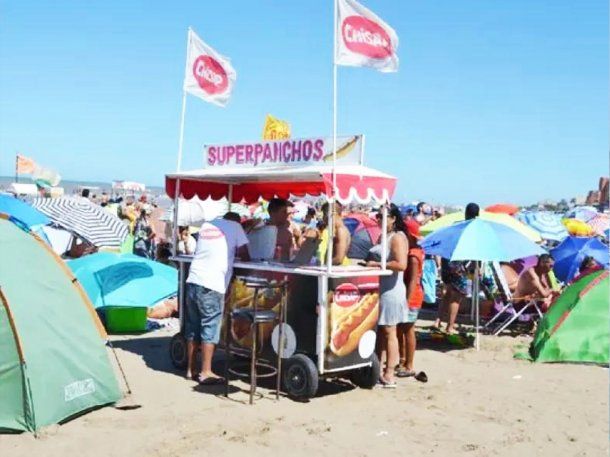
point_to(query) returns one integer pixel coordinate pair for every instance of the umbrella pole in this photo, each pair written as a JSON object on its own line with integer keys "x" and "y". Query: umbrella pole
{"x": 476, "y": 298}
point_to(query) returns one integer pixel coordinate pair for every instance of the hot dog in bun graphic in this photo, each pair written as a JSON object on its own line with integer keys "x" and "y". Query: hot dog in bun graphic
{"x": 351, "y": 318}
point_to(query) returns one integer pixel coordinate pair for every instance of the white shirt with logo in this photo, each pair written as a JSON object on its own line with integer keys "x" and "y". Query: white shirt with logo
{"x": 212, "y": 265}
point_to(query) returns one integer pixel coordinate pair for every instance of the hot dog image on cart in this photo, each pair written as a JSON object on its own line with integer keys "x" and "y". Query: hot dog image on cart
{"x": 327, "y": 314}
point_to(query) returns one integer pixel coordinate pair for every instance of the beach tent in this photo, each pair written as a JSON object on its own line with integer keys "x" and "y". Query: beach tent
{"x": 124, "y": 280}
{"x": 53, "y": 360}
{"x": 576, "y": 327}
{"x": 22, "y": 212}
{"x": 364, "y": 232}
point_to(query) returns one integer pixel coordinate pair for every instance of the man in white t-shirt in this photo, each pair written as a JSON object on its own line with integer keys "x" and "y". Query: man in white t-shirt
{"x": 208, "y": 279}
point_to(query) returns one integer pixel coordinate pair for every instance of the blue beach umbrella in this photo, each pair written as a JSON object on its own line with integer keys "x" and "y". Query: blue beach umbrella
{"x": 479, "y": 240}
{"x": 124, "y": 280}
{"x": 22, "y": 212}
{"x": 571, "y": 252}
{"x": 546, "y": 223}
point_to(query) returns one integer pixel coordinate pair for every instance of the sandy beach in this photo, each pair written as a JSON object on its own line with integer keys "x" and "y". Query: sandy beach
{"x": 475, "y": 404}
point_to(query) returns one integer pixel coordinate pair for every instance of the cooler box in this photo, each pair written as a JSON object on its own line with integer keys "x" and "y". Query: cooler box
{"x": 125, "y": 319}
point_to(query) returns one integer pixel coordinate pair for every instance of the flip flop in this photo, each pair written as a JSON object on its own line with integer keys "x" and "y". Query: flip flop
{"x": 404, "y": 373}
{"x": 210, "y": 381}
{"x": 421, "y": 377}
{"x": 389, "y": 385}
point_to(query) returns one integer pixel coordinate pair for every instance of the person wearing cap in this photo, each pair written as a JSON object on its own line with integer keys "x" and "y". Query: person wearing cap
{"x": 415, "y": 298}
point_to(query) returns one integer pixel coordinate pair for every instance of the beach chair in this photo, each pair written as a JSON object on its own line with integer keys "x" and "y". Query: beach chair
{"x": 512, "y": 308}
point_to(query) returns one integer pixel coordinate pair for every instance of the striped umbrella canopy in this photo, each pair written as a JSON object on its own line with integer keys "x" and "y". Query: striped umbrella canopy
{"x": 90, "y": 222}
{"x": 582, "y": 213}
{"x": 500, "y": 218}
{"x": 600, "y": 224}
{"x": 546, "y": 223}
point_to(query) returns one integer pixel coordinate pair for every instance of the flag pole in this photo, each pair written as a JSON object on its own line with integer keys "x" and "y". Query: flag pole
{"x": 331, "y": 205}
{"x": 181, "y": 139}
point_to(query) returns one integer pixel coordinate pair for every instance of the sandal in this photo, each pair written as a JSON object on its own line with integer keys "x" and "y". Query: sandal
{"x": 210, "y": 381}
{"x": 421, "y": 377}
{"x": 402, "y": 372}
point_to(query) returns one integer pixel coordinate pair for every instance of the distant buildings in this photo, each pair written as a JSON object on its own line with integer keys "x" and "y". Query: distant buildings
{"x": 600, "y": 196}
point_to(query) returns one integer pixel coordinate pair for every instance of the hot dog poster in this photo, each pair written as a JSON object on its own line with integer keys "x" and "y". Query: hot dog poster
{"x": 353, "y": 310}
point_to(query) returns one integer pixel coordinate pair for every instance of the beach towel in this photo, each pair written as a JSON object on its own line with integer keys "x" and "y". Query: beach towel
{"x": 428, "y": 280}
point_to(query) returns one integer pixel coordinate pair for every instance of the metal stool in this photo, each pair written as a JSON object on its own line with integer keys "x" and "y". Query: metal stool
{"x": 256, "y": 317}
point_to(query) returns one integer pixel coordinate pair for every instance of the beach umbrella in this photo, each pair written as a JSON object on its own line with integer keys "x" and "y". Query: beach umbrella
{"x": 87, "y": 220}
{"x": 503, "y": 208}
{"x": 479, "y": 240}
{"x": 582, "y": 213}
{"x": 600, "y": 224}
{"x": 124, "y": 279}
{"x": 571, "y": 252}
{"x": 503, "y": 219}
{"x": 577, "y": 227}
{"x": 546, "y": 223}
{"x": 22, "y": 212}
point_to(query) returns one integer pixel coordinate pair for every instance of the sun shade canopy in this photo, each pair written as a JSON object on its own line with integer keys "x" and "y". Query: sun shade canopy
{"x": 355, "y": 183}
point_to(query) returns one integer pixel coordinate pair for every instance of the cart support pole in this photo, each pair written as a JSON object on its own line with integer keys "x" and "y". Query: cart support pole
{"x": 230, "y": 197}
{"x": 175, "y": 218}
{"x": 384, "y": 236}
{"x": 477, "y": 273}
{"x": 322, "y": 320}
{"x": 331, "y": 200}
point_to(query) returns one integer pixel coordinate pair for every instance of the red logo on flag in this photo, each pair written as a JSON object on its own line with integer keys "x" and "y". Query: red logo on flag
{"x": 210, "y": 75}
{"x": 363, "y": 36}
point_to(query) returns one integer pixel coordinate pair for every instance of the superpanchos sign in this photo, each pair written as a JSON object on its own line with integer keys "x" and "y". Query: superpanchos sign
{"x": 289, "y": 152}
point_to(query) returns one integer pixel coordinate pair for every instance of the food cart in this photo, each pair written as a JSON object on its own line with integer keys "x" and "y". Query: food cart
{"x": 332, "y": 311}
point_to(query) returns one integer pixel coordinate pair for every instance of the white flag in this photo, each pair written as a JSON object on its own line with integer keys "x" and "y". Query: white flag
{"x": 363, "y": 39}
{"x": 209, "y": 75}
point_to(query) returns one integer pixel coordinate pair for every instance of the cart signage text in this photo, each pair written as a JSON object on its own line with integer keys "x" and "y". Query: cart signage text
{"x": 288, "y": 152}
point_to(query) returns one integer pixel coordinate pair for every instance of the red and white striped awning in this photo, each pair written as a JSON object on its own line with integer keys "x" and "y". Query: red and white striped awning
{"x": 355, "y": 183}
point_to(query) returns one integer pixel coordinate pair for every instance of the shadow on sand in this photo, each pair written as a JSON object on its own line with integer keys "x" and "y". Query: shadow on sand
{"x": 155, "y": 353}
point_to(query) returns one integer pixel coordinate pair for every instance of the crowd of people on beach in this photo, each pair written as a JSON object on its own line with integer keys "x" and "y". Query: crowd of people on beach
{"x": 416, "y": 278}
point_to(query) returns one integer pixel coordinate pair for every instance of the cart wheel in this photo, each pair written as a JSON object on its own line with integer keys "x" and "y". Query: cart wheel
{"x": 367, "y": 377}
{"x": 300, "y": 377}
{"x": 177, "y": 351}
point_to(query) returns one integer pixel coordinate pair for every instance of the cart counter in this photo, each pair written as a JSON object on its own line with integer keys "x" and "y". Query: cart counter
{"x": 331, "y": 317}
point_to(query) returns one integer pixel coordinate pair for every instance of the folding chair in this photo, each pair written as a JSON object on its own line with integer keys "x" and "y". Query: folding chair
{"x": 512, "y": 307}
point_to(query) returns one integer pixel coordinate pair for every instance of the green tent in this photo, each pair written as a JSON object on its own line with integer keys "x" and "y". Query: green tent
{"x": 576, "y": 327}
{"x": 53, "y": 360}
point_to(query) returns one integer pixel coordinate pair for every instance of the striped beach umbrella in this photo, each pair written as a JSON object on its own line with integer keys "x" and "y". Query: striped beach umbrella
{"x": 87, "y": 220}
{"x": 600, "y": 224}
{"x": 546, "y": 223}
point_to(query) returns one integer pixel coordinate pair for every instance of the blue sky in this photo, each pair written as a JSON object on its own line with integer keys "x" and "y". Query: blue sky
{"x": 495, "y": 100}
